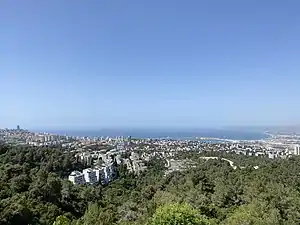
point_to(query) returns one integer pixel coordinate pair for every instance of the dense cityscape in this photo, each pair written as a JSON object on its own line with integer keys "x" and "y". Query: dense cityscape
{"x": 100, "y": 155}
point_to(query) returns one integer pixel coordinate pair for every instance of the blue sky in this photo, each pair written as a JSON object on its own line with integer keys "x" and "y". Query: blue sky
{"x": 94, "y": 64}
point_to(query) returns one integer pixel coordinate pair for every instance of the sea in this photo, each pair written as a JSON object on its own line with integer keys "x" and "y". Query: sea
{"x": 166, "y": 133}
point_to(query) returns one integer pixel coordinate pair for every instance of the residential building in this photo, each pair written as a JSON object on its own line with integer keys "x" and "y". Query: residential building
{"x": 86, "y": 158}
{"x": 77, "y": 177}
{"x": 297, "y": 149}
{"x": 109, "y": 172}
{"x": 90, "y": 176}
{"x": 100, "y": 174}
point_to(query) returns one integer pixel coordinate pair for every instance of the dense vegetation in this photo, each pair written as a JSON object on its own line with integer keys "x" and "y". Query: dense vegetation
{"x": 33, "y": 190}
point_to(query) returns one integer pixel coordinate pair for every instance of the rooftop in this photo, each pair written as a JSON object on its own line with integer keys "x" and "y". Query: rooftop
{"x": 76, "y": 173}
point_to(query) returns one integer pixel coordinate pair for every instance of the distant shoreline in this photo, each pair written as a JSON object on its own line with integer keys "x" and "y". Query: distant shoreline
{"x": 205, "y": 135}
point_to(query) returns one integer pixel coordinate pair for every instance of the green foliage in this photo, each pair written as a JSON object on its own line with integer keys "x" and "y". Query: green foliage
{"x": 62, "y": 220}
{"x": 174, "y": 214}
{"x": 34, "y": 190}
{"x": 256, "y": 213}
{"x": 95, "y": 215}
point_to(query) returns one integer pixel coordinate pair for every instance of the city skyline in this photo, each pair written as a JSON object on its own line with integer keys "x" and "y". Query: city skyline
{"x": 149, "y": 64}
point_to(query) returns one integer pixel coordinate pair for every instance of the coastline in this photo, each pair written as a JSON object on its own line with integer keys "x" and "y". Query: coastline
{"x": 208, "y": 135}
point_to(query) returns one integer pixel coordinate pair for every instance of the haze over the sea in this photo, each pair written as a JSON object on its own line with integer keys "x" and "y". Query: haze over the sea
{"x": 163, "y": 133}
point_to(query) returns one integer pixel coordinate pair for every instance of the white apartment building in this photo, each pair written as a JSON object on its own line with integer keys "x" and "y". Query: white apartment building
{"x": 297, "y": 149}
{"x": 77, "y": 177}
{"x": 112, "y": 171}
{"x": 86, "y": 158}
{"x": 107, "y": 176}
{"x": 90, "y": 176}
{"x": 47, "y": 138}
{"x": 107, "y": 173}
{"x": 100, "y": 174}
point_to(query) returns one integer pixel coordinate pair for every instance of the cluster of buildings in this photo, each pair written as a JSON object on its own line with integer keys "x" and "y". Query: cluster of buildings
{"x": 100, "y": 155}
{"x": 98, "y": 175}
{"x": 102, "y": 165}
{"x": 167, "y": 148}
{"x": 24, "y": 137}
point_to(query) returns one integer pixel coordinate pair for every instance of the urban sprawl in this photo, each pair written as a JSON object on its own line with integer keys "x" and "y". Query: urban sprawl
{"x": 101, "y": 155}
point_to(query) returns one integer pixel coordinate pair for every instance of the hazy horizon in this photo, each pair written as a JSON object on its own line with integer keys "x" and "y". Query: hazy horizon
{"x": 170, "y": 128}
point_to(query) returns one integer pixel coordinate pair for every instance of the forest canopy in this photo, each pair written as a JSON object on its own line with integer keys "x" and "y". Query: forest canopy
{"x": 34, "y": 190}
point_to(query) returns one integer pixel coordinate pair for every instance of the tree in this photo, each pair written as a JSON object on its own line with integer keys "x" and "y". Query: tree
{"x": 62, "y": 220}
{"x": 95, "y": 215}
{"x": 20, "y": 183}
{"x": 34, "y": 190}
{"x": 255, "y": 213}
{"x": 174, "y": 214}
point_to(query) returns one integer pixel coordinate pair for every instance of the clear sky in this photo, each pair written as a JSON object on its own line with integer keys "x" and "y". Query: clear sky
{"x": 159, "y": 63}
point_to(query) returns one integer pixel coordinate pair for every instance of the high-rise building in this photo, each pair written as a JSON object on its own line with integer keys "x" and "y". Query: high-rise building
{"x": 47, "y": 138}
{"x": 90, "y": 176}
{"x": 297, "y": 149}
{"x": 18, "y": 127}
